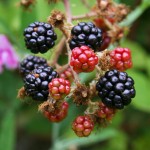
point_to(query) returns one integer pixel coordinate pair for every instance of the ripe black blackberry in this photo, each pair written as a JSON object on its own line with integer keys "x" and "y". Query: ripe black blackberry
{"x": 116, "y": 89}
{"x": 86, "y": 34}
{"x": 30, "y": 63}
{"x": 36, "y": 83}
{"x": 39, "y": 37}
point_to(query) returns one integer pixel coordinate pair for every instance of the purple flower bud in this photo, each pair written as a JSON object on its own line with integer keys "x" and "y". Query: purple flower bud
{"x": 8, "y": 56}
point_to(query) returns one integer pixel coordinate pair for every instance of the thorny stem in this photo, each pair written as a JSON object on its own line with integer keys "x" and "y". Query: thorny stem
{"x": 55, "y": 132}
{"x": 85, "y": 16}
{"x": 109, "y": 25}
{"x": 98, "y": 3}
{"x": 61, "y": 69}
{"x": 57, "y": 52}
{"x": 69, "y": 19}
{"x": 68, "y": 10}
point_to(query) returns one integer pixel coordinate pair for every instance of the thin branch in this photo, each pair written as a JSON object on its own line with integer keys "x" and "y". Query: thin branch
{"x": 61, "y": 69}
{"x": 98, "y": 3}
{"x": 68, "y": 10}
{"x": 85, "y": 16}
{"x": 57, "y": 52}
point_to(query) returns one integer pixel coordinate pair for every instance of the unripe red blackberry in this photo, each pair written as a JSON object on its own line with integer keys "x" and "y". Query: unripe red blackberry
{"x": 58, "y": 114}
{"x": 39, "y": 37}
{"x": 36, "y": 82}
{"x": 59, "y": 88}
{"x": 86, "y": 34}
{"x": 105, "y": 112}
{"x": 116, "y": 89}
{"x": 120, "y": 59}
{"x": 67, "y": 74}
{"x": 83, "y": 126}
{"x": 30, "y": 63}
{"x": 83, "y": 59}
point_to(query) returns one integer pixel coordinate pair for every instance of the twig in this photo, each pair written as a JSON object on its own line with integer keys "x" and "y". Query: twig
{"x": 61, "y": 69}
{"x": 98, "y": 3}
{"x": 69, "y": 19}
{"x": 86, "y": 4}
{"x": 68, "y": 10}
{"x": 85, "y": 16}
{"x": 57, "y": 52}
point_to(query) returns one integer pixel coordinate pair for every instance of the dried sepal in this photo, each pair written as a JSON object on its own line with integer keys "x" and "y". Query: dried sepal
{"x": 27, "y": 3}
{"x": 21, "y": 93}
{"x": 104, "y": 60}
{"x": 50, "y": 105}
{"x": 104, "y": 115}
{"x": 116, "y": 33}
{"x": 111, "y": 11}
{"x": 81, "y": 95}
{"x": 57, "y": 18}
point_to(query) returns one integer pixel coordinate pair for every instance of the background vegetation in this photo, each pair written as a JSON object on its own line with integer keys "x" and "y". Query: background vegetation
{"x": 23, "y": 128}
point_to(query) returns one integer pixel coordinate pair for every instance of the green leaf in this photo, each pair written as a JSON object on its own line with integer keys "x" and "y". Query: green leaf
{"x": 97, "y": 137}
{"x": 142, "y": 98}
{"x": 7, "y": 134}
{"x": 135, "y": 14}
{"x": 146, "y": 2}
{"x": 77, "y": 7}
{"x": 10, "y": 83}
{"x": 87, "y": 77}
{"x": 118, "y": 143}
{"x": 42, "y": 14}
{"x": 141, "y": 142}
{"x": 138, "y": 53}
{"x": 148, "y": 65}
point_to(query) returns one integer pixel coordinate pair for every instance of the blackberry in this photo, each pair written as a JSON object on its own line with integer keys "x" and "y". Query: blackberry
{"x": 30, "y": 63}
{"x": 86, "y": 34}
{"x": 116, "y": 89}
{"x": 39, "y": 37}
{"x": 36, "y": 83}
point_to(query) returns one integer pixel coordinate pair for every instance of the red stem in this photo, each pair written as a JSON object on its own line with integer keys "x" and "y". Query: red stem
{"x": 68, "y": 10}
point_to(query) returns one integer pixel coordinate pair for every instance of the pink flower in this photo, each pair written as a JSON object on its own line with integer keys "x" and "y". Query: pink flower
{"x": 8, "y": 56}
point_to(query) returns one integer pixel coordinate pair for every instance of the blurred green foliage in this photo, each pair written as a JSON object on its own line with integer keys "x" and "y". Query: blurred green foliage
{"x": 22, "y": 128}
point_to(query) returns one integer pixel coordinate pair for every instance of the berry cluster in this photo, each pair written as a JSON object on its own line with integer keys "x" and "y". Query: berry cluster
{"x": 59, "y": 88}
{"x": 39, "y": 37}
{"x": 120, "y": 59}
{"x": 86, "y": 34}
{"x": 36, "y": 82}
{"x": 83, "y": 59}
{"x": 83, "y": 126}
{"x": 105, "y": 112}
{"x": 58, "y": 114}
{"x": 86, "y": 52}
{"x": 116, "y": 89}
{"x": 30, "y": 63}
{"x": 67, "y": 74}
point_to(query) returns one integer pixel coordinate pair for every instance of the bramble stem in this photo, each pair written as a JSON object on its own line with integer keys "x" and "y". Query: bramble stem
{"x": 61, "y": 69}
{"x": 68, "y": 10}
{"x": 55, "y": 132}
{"x": 69, "y": 19}
{"x": 85, "y": 16}
{"x": 57, "y": 52}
